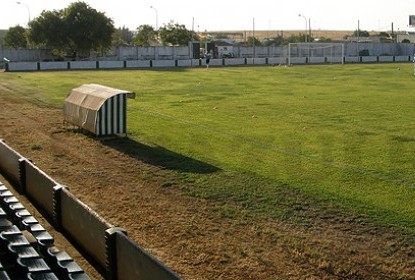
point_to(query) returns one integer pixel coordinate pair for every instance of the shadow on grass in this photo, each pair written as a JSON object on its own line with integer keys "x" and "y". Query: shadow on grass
{"x": 159, "y": 156}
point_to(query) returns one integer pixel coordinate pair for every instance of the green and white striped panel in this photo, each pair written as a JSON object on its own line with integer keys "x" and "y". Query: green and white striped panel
{"x": 112, "y": 116}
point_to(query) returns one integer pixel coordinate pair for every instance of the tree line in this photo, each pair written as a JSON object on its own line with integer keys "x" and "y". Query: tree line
{"x": 79, "y": 29}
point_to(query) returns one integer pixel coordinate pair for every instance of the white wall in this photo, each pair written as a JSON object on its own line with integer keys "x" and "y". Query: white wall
{"x": 83, "y": 65}
{"x": 130, "y": 64}
{"x": 22, "y": 66}
{"x": 53, "y": 65}
{"x": 111, "y": 64}
{"x": 138, "y": 63}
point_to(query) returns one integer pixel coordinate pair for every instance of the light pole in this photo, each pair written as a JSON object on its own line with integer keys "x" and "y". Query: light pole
{"x": 157, "y": 17}
{"x": 306, "y": 28}
{"x": 27, "y": 7}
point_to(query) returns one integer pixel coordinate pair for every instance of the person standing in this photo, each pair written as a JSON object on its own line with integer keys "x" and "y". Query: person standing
{"x": 414, "y": 64}
{"x": 208, "y": 56}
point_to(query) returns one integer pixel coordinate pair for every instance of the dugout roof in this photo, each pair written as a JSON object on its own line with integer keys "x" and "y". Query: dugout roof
{"x": 83, "y": 104}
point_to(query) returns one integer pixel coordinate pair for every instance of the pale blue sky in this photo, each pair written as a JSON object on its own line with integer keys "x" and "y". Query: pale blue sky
{"x": 376, "y": 15}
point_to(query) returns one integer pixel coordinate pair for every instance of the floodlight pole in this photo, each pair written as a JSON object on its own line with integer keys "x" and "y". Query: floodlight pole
{"x": 253, "y": 38}
{"x": 306, "y": 27}
{"x": 27, "y": 7}
{"x": 157, "y": 17}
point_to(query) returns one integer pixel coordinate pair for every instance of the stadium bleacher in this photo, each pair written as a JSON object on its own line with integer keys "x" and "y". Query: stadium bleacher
{"x": 27, "y": 250}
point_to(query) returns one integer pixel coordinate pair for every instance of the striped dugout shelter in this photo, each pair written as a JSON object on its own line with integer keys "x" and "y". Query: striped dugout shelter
{"x": 99, "y": 109}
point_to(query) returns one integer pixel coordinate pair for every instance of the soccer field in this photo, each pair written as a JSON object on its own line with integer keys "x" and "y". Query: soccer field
{"x": 339, "y": 134}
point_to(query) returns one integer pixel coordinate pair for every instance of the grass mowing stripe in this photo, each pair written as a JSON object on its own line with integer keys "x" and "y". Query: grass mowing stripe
{"x": 374, "y": 173}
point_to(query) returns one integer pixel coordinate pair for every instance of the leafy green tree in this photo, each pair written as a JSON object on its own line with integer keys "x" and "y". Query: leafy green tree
{"x": 253, "y": 40}
{"x": 276, "y": 41}
{"x": 385, "y": 37}
{"x": 49, "y": 30}
{"x": 324, "y": 40}
{"x": 361, "y": 33}
{"x": 295, "y": 39}
{"x": 15, "y": 37}
{"x": 88, "y": 28}
{"x": 175, "y": 34}
{"x": 122, "y": 36}
{"x": 78, "y": 27}
{"x": 146, "y": 36}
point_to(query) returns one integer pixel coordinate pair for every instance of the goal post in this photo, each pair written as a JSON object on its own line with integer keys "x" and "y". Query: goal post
{"x": 302, "y": 53}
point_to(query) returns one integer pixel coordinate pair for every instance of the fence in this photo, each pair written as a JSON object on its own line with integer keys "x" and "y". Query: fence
{"x": 110, "y": 247}
{"x": 135, "y": 64}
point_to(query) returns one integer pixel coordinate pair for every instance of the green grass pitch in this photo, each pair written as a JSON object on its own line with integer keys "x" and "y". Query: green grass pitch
{"x": 343, "y": 134}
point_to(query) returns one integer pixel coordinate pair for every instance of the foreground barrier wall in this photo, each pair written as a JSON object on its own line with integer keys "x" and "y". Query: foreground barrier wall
{"x": 109, "y": 246}
{"x": 82, "y": 224}
{"x": 9, "y": 162}
{"x": 136, "y": 263}
{"x": 38, "y": 186}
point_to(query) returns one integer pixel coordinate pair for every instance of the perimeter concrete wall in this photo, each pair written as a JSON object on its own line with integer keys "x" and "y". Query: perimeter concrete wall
{"x": 109, "y": 246}
{"x": 134, "y": 64}
{"x": 126, "y": 53}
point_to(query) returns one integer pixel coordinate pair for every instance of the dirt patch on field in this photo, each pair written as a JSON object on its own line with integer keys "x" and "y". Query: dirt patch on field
{"x": 190, "y": 235}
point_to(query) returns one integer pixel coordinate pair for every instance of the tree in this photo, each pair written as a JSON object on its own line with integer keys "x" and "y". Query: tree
{"x": 253, "y": 40}
{"x": 15, "y": 37}
{"x": 122, "y": 36}
{"x": 88, "y": 28}
{"x": 276, "y": 41}
{"x": 49, "y": 30}
{"x": 324, "y": 40}
{"x": 146, "y": 36}
{"x": 385, "y": 37}
{"x": 79, "y": 28}
{"x": 175, "y": 34}
{"x": 361, "y": 33}
{"x": 298, "y": 39}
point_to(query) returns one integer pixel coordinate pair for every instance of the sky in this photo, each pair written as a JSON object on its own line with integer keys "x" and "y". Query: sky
{"x": 217, "y": 15}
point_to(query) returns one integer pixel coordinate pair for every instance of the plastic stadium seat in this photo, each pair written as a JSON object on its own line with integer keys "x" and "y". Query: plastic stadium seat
{"x": 42, "y": 276}
{"x": 24, "y": 251}
{"x": 34, "y": 265}
{"x": 26, "y": 247}
{"x": 63, "y": 265}
{"x": 3, "y": 273}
